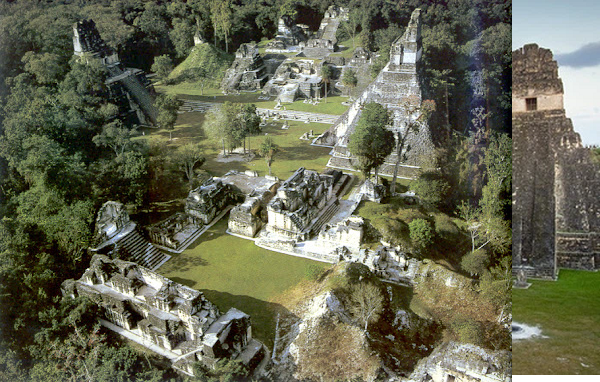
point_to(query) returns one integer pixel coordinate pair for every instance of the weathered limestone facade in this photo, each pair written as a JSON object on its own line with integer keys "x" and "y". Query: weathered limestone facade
{"x": 203, "y": 206}
{"x": 117, "y": 235}
{"x": 156, "y": 310}
{"x": 456, "y": 362}
{"x": 249, "y": 217}
{"x": 296, "y": 78}
{"x": 556, "y": 209}
{"x": 325, "y": 41}
{"x": 204, "y": 203}
{"x": 304, "y": 203}
{"x": 396, "y": 88}
{"x": 248, "y": 71}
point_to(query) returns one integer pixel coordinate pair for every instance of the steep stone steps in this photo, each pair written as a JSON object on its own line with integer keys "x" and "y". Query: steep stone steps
{"x": 138, "y": 91}
{"x": 324, "y": 216}
{"x": 138, "y": 250}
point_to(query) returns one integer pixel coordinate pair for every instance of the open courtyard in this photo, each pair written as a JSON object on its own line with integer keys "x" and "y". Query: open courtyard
{"x": 567, "y": 313}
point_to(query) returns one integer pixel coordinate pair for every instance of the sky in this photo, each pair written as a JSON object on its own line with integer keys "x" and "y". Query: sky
{"x": 571, "y": 29}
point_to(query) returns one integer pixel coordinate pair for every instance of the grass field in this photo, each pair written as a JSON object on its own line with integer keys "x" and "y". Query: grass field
{"x": 568, "y": 313}
{"x": 233, "y": 272}
{"x": 192, "y": 91}
{"x": 294, "y": 152}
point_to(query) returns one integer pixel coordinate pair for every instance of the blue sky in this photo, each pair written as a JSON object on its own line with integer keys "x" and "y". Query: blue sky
{"x": 571, "y": 29}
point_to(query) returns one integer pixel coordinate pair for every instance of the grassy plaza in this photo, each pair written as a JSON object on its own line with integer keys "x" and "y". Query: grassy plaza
{"x": 568, "y": 313}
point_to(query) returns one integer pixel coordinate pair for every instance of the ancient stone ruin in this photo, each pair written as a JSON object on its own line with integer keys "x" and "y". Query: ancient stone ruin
{"x": 556, "y": 207}
{"x": 347, "y": 233}
{"x": 248, "y": 71}
{"x": 116, "y": 235}
{"x": 296, "y": 78}
{"x": 304, "y": 203}
{"x": 249, "y": 217}
{"x": 288, "y": 37}
{"x": 454, "y": 361}
{"x": 396, "y": 88}
{"x": 168, "y": 318}
{"x": 204, "y": 205}
{"x": 129, "y": 88}
{"x": 325, "y": 41}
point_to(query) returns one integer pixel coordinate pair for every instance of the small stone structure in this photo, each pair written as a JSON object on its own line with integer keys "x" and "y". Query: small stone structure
{"x": 360, "y": 56}
{"x": 287, "y": 36}
{"x": 248, "y": 71}
{"x": 129, "y": 88}
{"x": 325, "y": 41}
{"x": 556, "y": 205}
{"x": 296, "y": 78}
{"x": 204, "y": 203}
{"x": 458, "y": 362}
{"x": 198, "y": 39}
{"x": 117, "y": 235}
{"x": 249, "y": 217}
{"x": 304, "y": 203}
{"x": 348, "y": 233}
{"x": 397, "y": 84}
{"x": 151, "y": 309}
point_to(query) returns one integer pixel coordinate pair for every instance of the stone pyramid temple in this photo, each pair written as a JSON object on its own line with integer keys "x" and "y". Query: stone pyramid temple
{"x": 396, "y": 87}
{"x": 556, "y": 203}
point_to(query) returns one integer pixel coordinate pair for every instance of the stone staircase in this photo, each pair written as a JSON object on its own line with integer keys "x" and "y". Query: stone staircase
{"x": 137, "y": 249}
{"x": 140, "y": 94}
{"x": 324, "y": 216}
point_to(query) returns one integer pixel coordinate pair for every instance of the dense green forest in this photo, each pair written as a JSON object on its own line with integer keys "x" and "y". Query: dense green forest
{"x": 57, "y": 138}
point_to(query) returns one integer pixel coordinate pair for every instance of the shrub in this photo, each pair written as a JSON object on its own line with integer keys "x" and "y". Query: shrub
{"x": 467, "y": 330}
{"x": 431, "y": 189}
{"x": 475, "y": 262}
{"x": 421, "y": 233}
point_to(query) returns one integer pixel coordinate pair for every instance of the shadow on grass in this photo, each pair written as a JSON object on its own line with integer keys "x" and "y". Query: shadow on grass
{"x": 186, "y": 263}
{"x": 299, "y": 153}
{"x": 263, "y": 314}
{"x": 215, "y": 232}
{"x": 187, "y": 282}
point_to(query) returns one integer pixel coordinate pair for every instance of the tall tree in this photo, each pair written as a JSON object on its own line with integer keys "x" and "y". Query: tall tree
{"x": 366, "y": 303}
{"x": 187, "y": 157}
{"x": 162, "y": 66}
{"x": 326, "y": 73}
{"x": 268, "y": 149}
{"x": 167, "y": 105}
{"x": 221, "y": 16}
{"x": 116, "y": 136}
{"x": 349, "y": 80}
{"x": 371, "y": 141}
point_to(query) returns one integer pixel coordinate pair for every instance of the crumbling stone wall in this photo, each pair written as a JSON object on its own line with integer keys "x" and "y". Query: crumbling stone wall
{"x": 247, "y": 72}
{"x": 156, "y": 310}
{"x": 204, "y": 203}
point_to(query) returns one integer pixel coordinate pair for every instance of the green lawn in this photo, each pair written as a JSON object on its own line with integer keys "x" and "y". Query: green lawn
{"x": 568, "y": 313}
{"x": 233, "y": 272}
{"x": 192, "y": 91}
{"x": 294, "y": 151}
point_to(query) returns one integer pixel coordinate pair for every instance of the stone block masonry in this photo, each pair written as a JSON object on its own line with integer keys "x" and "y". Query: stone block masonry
{"x": 168, "y": 318}
{"x": 556, "y": 206}
{"x": 397, "y": 84}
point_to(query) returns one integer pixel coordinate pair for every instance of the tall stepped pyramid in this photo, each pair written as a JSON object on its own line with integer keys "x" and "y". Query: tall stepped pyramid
{"x": 130, "y": 82}
{"x": 395, "y": 85}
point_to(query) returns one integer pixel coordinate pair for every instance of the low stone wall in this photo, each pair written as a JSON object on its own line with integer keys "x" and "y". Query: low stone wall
{"x": 578, "y": 250}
